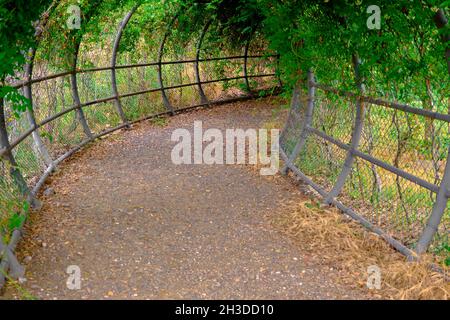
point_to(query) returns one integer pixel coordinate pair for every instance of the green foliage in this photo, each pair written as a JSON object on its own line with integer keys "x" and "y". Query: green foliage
{"x": 17, "y": 32}
{"x": 17, "y": 100}
{"x": 16, "y": 37}
{"x": 16, "y": 221}
{"x": 324, "y": 35}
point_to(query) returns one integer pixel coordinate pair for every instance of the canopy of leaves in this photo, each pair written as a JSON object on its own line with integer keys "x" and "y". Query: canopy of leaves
{"x": 407, "y": 50}
{"x": 17, "y": 32}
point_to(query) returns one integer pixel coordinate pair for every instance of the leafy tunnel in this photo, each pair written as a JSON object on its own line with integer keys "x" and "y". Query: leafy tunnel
{"x": 117, "y": 71}
{"x": 368, "y": 122}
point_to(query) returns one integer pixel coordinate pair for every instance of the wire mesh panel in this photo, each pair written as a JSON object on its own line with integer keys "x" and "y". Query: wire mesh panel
{"x": 214, "y": 46}
{"x": 407, "y": 141}
{"x": 27, "y": 151}
{"x": 13, "y": 205}
{"x": 295, "y": 122}
{"x": 397, "y": 157}
{"x": 389, "y": 201}
{"x": 261, "y": 61}
{"x": 321, "y": 161}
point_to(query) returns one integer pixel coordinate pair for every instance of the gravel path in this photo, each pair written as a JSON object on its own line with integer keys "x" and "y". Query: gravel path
{"x": 140, "y": 227}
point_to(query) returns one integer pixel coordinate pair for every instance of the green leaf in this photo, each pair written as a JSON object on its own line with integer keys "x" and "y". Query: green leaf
{"x": 16, "y": 221}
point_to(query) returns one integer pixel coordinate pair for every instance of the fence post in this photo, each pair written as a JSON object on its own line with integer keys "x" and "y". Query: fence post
{"x": 444, "y": 189}
{"x": 203, "y": 98}
{"x": 356, "y": 136}
{"x": 307, "y": 120}
{"x": 280, "y": 81}
{"x": 8, "y": 261}
{"x": 437, "y": 211}
{"x": 14, "y": 171}
{"x": 75, "y": 95}
{"x": 117, "y": 101}
{"x": 441, "y": 21}
{"x": 28, "y": 93}
{"x": 165, "y": 100}
{"x": 246, "y": 49}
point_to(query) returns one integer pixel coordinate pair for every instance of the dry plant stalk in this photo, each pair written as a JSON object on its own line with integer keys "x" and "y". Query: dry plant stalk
{"x": 350, "y": 248}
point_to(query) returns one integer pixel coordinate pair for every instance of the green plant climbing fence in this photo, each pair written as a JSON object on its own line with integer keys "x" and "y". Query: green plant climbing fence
{"x": 362, "y": 158}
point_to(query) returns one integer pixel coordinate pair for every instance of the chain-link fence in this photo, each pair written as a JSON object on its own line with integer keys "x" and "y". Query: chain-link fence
{"x": 383, "y": 163}
{"x": 72, "y": 108}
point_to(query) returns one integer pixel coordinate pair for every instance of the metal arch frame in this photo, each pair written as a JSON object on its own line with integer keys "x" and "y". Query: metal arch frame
{"x": 443, "y": 194}
{"x": 28, "y": 93}
{"x": 356, "y": 135}
{"x": 246, "y": 49}
{"x": 164, "y": 97}
{"x": 308, "y": 118}
{"x": 201, "y": 92}
{"x": 75, "y": 94}
{"x": 443, "y": 190}
{"x": 14, "y": 171}
{"x": 246, "y": 57}
{"x": 116, "y": 45}
{"x": 307, "y": 129}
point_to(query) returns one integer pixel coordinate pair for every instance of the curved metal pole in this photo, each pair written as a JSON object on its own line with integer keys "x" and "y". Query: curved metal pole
{"x": 441, "y": 21}
{"x": 28, "y": 90}
{"x": 203, "y": 98}
{"x": 356, "y": 137}
{"x": 117, "y": 102}
{"x": 247, "y": 82}
{"x": 443, "y": 194}
{"x": 166, "y": 101}
{"x": 28, "y": 93}
{"x": 75, "y": 95}
{"x": 247, "y": 48}
{"x": 280, "y": 81}
{"x": 14, "y": 171}
{"x": 437, "y": 213}
{"x": 308, "y": 118}
{"x": 8, "y": 261}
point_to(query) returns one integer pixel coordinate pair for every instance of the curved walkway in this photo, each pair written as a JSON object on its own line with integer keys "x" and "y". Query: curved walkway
{"x": 140, "y": 227}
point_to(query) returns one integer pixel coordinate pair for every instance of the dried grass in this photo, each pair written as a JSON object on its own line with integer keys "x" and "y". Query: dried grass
{"x": 350, "y": 248}
{"x": 346, "y": 246}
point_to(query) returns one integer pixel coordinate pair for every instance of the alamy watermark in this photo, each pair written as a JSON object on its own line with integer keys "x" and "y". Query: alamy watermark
{"x": 374, "y": 20}
{"x": 74, "y": 19}
{"x": 74, "y": 280}
{"x": 212, "y": 147}
{"x": 373, "y": 277}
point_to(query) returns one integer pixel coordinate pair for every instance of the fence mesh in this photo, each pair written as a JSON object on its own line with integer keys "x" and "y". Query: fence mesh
{"x": 395, "y": 177}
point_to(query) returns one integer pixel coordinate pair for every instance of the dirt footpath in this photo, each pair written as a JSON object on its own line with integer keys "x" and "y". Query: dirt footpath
{"x": 140, "y": 227}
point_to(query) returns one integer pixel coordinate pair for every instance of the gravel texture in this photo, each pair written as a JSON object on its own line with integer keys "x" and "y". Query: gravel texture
{"x": 140, "y": 227}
